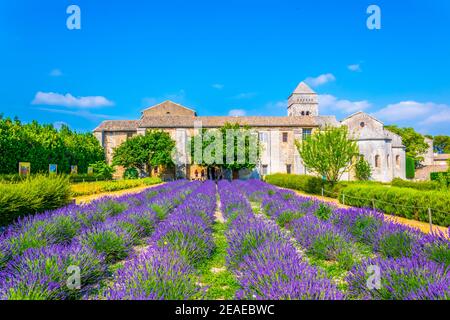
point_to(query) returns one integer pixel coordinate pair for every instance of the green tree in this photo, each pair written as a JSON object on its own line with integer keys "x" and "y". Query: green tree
{"x": 149, "y": 150}
{"x": 441, "y": 144}
{"x": 232, "y": 140}
{"x": 42, "y": 144}
{"x": 102, "y": 170}
{"x": 413, "y": 141}
{"x": 363, "y": 171}
{"x": 328, "y": 153}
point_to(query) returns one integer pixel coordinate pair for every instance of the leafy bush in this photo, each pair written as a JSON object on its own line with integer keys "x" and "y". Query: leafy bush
{"x": 437, "y": 176}
{"x": 131, "y": 173}
{"x": 363, "y": 171}
{"x": 31, "y": 196}
{"x": 102, "y": 170}
{"x": 308, "y": 184}
{"x": 403, "y": 202}
{"x": 410, "y": 168}
{"x": 422, "y": 185}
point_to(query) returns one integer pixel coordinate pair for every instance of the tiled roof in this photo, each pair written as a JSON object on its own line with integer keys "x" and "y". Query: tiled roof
{"x": 117, "y": 125}
{"x": 214, "y": 121}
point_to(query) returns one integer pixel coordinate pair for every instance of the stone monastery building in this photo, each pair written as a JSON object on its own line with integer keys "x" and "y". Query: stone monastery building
{"x": 381, "y": 148}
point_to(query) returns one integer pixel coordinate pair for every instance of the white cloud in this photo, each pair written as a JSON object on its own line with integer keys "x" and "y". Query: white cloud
{"x": 237, "y": 113}
{"x": 331, "y": 104}
{"x": 68, "y": 100}
{"x": 218, "y": 86}
{"x": 245, "y": 95}
{"x": 425, "y": 113}
{"x": 354, "y": 67}
{"x": 320, "y": 80}
{"x": 56, "y": 73}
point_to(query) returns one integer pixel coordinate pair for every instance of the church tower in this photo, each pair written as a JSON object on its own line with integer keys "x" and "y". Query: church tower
{"x": 303, "y": 101}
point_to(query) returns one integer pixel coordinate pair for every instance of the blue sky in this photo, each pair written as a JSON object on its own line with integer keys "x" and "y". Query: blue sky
{"x": 217, "y": 57}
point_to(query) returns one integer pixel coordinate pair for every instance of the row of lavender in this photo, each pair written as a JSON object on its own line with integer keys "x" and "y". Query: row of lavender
{"x": 39, "y": 254}
{"x": 167, "y": 268}
{"x": 265, "y": 262}
{"x": 411, "y": 265}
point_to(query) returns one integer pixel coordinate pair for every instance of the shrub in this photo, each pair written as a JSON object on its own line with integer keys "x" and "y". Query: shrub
{"x": 131, "y": 173}
{"x": 111, "y": 241}
{"x": 403, "y": 202}
{"x": 363, "y": 171}
{"x": 437, "y": 176}
{"x": 32, "y": 196}
{"x": 402, "y": 279}
{"x": 88, "y": 188}
{"x": 305, "y": 183}
{"x": 102, "y": 170}
{"x": 422, "y": 185}
{"x": 410, "y": 168}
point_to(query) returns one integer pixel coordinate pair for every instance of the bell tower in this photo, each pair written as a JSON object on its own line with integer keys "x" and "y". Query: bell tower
{"x": 303, "y": 102}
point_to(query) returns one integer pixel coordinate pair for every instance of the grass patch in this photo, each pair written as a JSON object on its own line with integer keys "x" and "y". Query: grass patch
{"x": 88, "y": 188}
{"x": 220, "y": 282}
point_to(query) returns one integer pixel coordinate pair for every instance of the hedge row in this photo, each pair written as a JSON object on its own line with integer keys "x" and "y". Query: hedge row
{"x": 88, "y": 188}
{"x": 311, "y": 184}
{"x": 31, "y": 196}
{"x": 439, "y": 176}
{"x": 403, "y": 202}
{"x": 14, "y": 178}
{"x": 419, "y": 185}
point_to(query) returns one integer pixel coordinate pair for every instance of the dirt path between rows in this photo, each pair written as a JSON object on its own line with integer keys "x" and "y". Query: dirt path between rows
{"x": 422, "y": 226}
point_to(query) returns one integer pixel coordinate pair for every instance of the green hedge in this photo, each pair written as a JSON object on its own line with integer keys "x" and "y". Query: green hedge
{"x": 422, "y": 185}
{"x": 88, "y": 188}
{"x": 311, "y": 184}
{"x": 410, "y": 168}
{"x": 305, "y": 183}
{"x": 436, "y": 176}
{"x": 403, "y": 202}
{"x": 33, "y": 195}
{"x": 14, "y": 178}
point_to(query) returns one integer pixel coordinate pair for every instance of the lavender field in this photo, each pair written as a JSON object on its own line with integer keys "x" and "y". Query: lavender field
{"x": 233, "y": 240}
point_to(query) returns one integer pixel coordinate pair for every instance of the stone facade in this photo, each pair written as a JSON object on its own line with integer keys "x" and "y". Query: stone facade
{"x": 277, "y": 135}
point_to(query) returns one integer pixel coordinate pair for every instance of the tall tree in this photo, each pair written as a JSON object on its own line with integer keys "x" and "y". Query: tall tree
{"x": 149, "y": 150}
{"x": 328, "y": 153}
{"x": 414, "y": 142}
{"x": 233, "y": 147}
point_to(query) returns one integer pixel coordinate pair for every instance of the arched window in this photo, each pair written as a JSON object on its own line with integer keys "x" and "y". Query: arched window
{"x": 397, "y": 160}
{"x": 387, "y": 159}
{"x": 303, "y": 113}
{"x": 377, "y": 161}
{"x": 307, "y": 113}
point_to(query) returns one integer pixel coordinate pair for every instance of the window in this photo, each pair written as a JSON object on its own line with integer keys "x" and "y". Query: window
{"x": 285, "y": 136}
{"x": 129, "y": 135}
{"x": 307, "y": 113}
{"x": 288, "y": 168}
{"x": 387, "y": 159}
{"x": 362, "y": 124}
{"x": 377, "y": 161}
{"x": 264, "y": 170}
{"x": 263, "y": 136}
{"x": 306, "y": 133}
{"x": 397, "y": 161}
{"x": 303, "y": 113}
